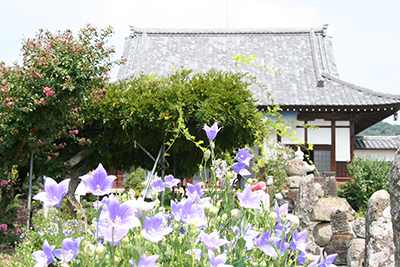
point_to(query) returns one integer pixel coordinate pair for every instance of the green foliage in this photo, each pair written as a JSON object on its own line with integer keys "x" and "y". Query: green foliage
{"x": 134, "y": 181}
{"x": 146, "y": 108}
{"x": 40, "y": 99}
{"x": 381, "y": 129}
{"x": 368, "y": 175}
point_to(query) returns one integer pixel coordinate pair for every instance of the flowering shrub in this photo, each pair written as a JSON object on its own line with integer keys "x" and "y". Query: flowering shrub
{"x": 213, "y": 227}
{"x": 12, "y": 224}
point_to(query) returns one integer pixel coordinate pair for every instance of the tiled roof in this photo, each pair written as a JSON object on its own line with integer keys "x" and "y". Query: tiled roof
{"x": 376, "y": 142}
{"x": 306, "y": 70}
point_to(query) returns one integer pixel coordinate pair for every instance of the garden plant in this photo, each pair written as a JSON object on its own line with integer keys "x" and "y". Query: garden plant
{"x": 205, "y": 226}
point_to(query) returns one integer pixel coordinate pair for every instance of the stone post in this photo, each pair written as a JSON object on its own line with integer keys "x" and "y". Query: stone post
{"x": 330, "y": 188}
{"x": 394, "y": 190}
{"x": 341, "y": 237}
{"x": 379, "y": 246}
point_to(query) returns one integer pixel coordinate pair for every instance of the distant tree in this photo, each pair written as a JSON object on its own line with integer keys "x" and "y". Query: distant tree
{"x": 381, "y": 129}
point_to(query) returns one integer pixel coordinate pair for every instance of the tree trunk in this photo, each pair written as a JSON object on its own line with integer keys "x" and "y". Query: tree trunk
{"x": 73, "y": 204}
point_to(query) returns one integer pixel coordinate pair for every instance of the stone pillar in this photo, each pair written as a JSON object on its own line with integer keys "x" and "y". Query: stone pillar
{"x": 356, "y": 252}
{"x": 294, "y": 169}
{"x": 304, "y": 205}
{"x": 394, "y": 190}
{"x": 341, "y": 237}
{"x": 379, "y": 246}
{"x": 330, "y": 188}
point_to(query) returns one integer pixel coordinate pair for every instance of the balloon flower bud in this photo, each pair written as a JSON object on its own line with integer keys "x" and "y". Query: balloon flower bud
{"x": 213, "y": 211}
{"x": 207, "y": 207}
{"x": 294, "y": 222}
{"x": 309, "y": 259}
{"x": 272, "y": 217}
{"x": 224, "y": 217}
{"x": 100, "y": 251}
{"x": 236, "y": 215}
{"x": 90, "y": 249}
{"x": 207, "y": 154}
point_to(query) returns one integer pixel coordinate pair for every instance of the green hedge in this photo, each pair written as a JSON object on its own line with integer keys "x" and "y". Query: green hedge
{"x": 368, "y": 175}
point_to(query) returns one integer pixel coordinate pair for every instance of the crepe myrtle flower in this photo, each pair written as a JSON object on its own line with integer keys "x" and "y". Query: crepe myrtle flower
{"x": 211, "y": 241}
{"x": 44, "y": 257}
{"x": 153, "y": 229}
{"x": 212, "y": 131}
{"x": 145, "y": 261}
{"x": 53, "y": 193}
{"x": 248, "y": 200}
{"x": 69, "y": 251}
{"x": 240, "y": 168}
{"x": 170, "y": 181}
{"x": 99, "y": 183}
{"x": 243, "y": 156}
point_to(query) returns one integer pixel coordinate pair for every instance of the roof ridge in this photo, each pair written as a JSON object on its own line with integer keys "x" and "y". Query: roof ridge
{"x": 378, "y": 137}
{"x": 357, "y": 87}
{"x": 228, "y": 30}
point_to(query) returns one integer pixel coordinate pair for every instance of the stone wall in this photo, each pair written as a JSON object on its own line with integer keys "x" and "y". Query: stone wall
{"x": 331, "y": 227}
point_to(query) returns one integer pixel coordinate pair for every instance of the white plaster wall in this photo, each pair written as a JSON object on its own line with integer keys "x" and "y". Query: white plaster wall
{"x": 387, "y": 154}
{"x": 342, "y": 148}
{"x": 299, "y": 135}
{"x": 321, "y": 136}
{"x": 320, "y": 122}
{"x": 342, "y": 123}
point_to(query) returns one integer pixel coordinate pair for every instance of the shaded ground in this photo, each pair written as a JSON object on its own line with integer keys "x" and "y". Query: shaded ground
{"x": 6, "y": 257}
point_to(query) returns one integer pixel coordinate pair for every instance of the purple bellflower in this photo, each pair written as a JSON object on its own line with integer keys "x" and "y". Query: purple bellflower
{"x": 159, "y": 186}
{"x": 186, "y": 212}
{"x": 196, "y": 254}
{"x": 301, "y": 258}
{"x": 281, "y": 211}
{"x": 99, "y": 183}
{"x": 120, "y": 215}
{"x": 53, "y": 193}
{"x": 70, "y": 249}
{"x": 111, "y": 234}
{"x": 270, "y": 244}
{"x": 248, "y": 200}
{"x": 192, "y": 188}
{"x": 145, "y": 261}
{"x": 170, "y": 181}
{"x": 217, "y": 261}
{"x": 190, "y": 212}
{"x": 153, "y": 229}
{"x": 44, "y": 257}
{"x": 243, "y": 156}
{"x": 211, "y": 241}
{"x": 328, "y": 260}
{"x": 211, "y": 131}
{"x": 247, "y": 233}
{"x": 298, "y": 241}
{"x": 240, "y": 168}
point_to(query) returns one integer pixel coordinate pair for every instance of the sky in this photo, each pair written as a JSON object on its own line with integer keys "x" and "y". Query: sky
{"x": 366, "y": 34}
